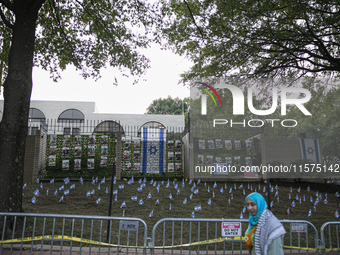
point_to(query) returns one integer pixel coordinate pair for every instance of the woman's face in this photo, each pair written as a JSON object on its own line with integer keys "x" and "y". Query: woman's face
{"x": 251, "y": 206}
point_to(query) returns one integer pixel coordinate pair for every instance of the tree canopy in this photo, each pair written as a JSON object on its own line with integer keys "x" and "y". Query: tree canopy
{"x": 171, "y": 106}
{"x": 258, "y": 38}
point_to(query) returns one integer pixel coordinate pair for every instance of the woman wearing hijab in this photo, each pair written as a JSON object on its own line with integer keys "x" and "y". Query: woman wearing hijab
{"x": 263, "y": 236}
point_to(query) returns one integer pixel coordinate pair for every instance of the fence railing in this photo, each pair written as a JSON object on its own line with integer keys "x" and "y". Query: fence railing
{"x": 19, "y": 231}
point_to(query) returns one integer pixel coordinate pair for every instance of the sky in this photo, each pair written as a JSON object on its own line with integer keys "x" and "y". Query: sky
{"x": 161, "y": 81}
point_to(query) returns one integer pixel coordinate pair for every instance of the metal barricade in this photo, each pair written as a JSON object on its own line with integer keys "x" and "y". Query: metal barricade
{"x": 202, "y": 234}
{"x": 330, "y": 237}
{"x": 97, "y": 234}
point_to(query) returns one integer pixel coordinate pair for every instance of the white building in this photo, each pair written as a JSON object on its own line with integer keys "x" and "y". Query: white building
{"x": 68, "y": 117}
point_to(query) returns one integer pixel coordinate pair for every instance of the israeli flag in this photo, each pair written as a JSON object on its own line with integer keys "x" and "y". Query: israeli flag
{"x": 184, "y": 201}
{"x": 170, "y": 196}
{"x": 196, "y": 191}
{"x": 271, "y": 204}
{"x": 66, "y": 180}
{"x": 25, "y": 185}
{"x": 67, "y": 192}
{"x": 183, "y": 185}
{"x": 139, "y": 189}
{"x": 296, "y": 197}
{"x": 264, "y": 189}
{"x": 337, "y": 194}
{"x": 123, "y": 214}
{"x": 232, "y": 197}
{"x": 276, "y": 187}
{"x": 221, "y": 190}
{"x": 325, "y": 195}
{"x": 41, "y": 185}
{"x": 311, "y": 199}
{"x": 225, "y": 186}
{"x": 205, "y": 184}
{"x": 197, "y": 208}
{"x": 241, "y": 215}
{"x": 190, "y": 181}
{"x": 244, "y": 192}
{"x": 56, "y": 192}
{"x": 244, "y": 209}
{"x": 107, "y": 190}
{"x": 61, "y": 199}
{"x": 98, "y": 187}
{"x": 154, "y": 184}
{"x": 309, "y": 213}
{"x": 308, "y": 188}
{"x": 88, "y": 194}
{"x": 114, "y": 180}
{"x": 209, "y": 201}
{"x": 215, "y": 185}
{"x": 149, "y": 195}
{"x": 73, "y": 186}
{"x": 276, "y": 193}
{"x": 194, "y": 185}
{"x": 157, "y": 188}
{"x": 37, "y": 181}
{"x": 93, "y": 181}
{"x": 151, "y": 214}
{"x": 289, "y": 196}
{"x": 231, "y": 190}
{"x": 103, "y": 181}
{"x": 114, "y": 192}
{"x": 208, "y": 189}
{"x": 325, "y": 201}
{"x": 61, "y": 188}
{"x": 241, "y": 186}
{"x": 170, "y": 207}
{"x": 92, "y": 192}
{"x": 157, "y": 201}
{"x": 314, "y": 208}
{"x": 288, "y": 211}
{"x": 144, "y": 180}
{"x": 293, "y": 204}
{"x": 176, "y": 186}
{"x": 47, "y": 192}
{"x": 234, "y": 185}
{"x": 192, "y": 189}
{"x": 140, "y": 181}
{"x": 142, "y": 185}
{"x": 36, "y": 192}
{"x": 336, "y": 214}
{"x": 310, "y": 149}
{"x": 153, "y": 150}
{"x": 278, "y": 199}
{"x": 134, "y": 198}
{"x": 167, "y": 185}
{"x": 191, "y": 195}
{"x": 213, "y": 194}
{"x": 81, "y": 181}
{"x": 178, "y": 192}
{"x": 229, "y": 201}
{"x": 317, "y": 194}
{"x": 251, "y": 187}
{"x": 121, "y": 186}
{"x": 299, "y": 189}
{"x": 304, "y": 198}
{"x": 33, "y": 200}
{"x": 123, "y": 205}
{"x": 52, "y": 181}
{"x": 141, "y": 202}
{"x": 199, "y": 181}
{"x": 193, "y": 215}
{"x": 97, "y": 201}
{"x": 129, "y": 182}
{"x": 151, "y": 182}
{"x": 300, "y": 200}
{"x": 272, "y": 189}
{"x": 291, "y": 190}
{"x": 115, "y": 199}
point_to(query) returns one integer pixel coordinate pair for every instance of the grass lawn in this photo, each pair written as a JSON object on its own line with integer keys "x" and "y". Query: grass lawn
{"x": 77, "y": 203}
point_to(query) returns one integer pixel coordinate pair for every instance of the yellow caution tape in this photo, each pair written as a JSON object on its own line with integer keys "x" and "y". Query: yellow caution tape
{"x": 88, "y": 241}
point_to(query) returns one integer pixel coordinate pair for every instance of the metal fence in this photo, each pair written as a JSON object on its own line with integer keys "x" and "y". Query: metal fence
{"x": 97, "y": 234}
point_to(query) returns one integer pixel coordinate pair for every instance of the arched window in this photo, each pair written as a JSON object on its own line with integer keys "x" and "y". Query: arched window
{"x": 108, "y": 126}
{"x": 71, "y": 116}
{"x": 35, "y": 114}
{"x": 151, "y": 124}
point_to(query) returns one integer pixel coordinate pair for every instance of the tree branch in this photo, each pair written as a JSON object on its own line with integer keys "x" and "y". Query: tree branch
{"x": 8, "y": 4}
{"x": 193, "y": 19}
{"x": 6, "y": 21}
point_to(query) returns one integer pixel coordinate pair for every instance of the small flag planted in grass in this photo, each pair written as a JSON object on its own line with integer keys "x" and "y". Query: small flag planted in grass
{"x": 103, "y": 181}
{"x": 170, "y": 196}
{"x": 36, "y": 192}
{"x": 114, "y": 180}
{"x": 221, "y": 190}
{"x": 196, "y": 191}
{"x": 121, "y": 186}
{"x": 98, "y": 187}
{"x": 38, "y": 181}
{"x": 271, "y": 204}
{"x": 139, "y": 189}
{"x": 123, "y": 215}
{"x": 141, "y": 202}
{"x": 81, "y": 181}
{"x": 107, "y": 190}
{"x": 142, "y": 185}
{"x": 88, "y": 194}
{"x": 140, "y": 181}
{"x": 278, "y": 199}
{"x": 170, "y": 207}
{"x": 114, "y": 192}
{"x": 309, "y": 213}
{"x": 215, "y": 185}
{"x": 123, "y": 205}
{"x": 157, "y": 201}
{"x": 241, "y": 215}
{"x": 178, "y": 192}
{"x": 229, "y": 201}
{"x": 47, "y": 192}
{"x": 244, "y": 210}
{"x": 184, "y": 201}
{"x": 311, "y": 199}
{"x": 299, "y": 190}
{"x": 73, "y": 186}
{"x": 66, "y": 180}
{"x": 288, "y": 211}
{"x": 325, "y": 201}
{"x": 208, "y": 189}
{"x": 56, "y": 192}
{"x": 41, "y": 185}
{"x": 197, "y": 208}
{"x": 24, "y": 186}
{"x": 213, "y": 194}
{"x": 33, "y": 200}
{"x": 289, "y": 196}
{"x": 67, "y": 192}
{"x": 61, "y": 188}
{"x": 52, "y": 181}
{"x": 191, "y": 195}
{"x": 149, "y": 195}
{"x": 308, "y": 188}
{"x": 129, "y": 182}
{"x": 115, "y": 198}
{"x": 193, "y": 215}
{"x": 97, "y": 201}
{"x": 61, "y": 199}
{"x": 336, "y": 214}
{"x": 209, "y": 201}
{"x": 336, "y": 194}
{"x": 231, "y": 190}
{"x": 92, "y": 192}
{"x": 293, "y": 204}
{"x": 151, "y": 214}
{"x": 134, "y": 198}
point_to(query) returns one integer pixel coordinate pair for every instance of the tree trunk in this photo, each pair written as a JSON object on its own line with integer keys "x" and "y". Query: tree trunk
{"x": 17, "y": 93}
